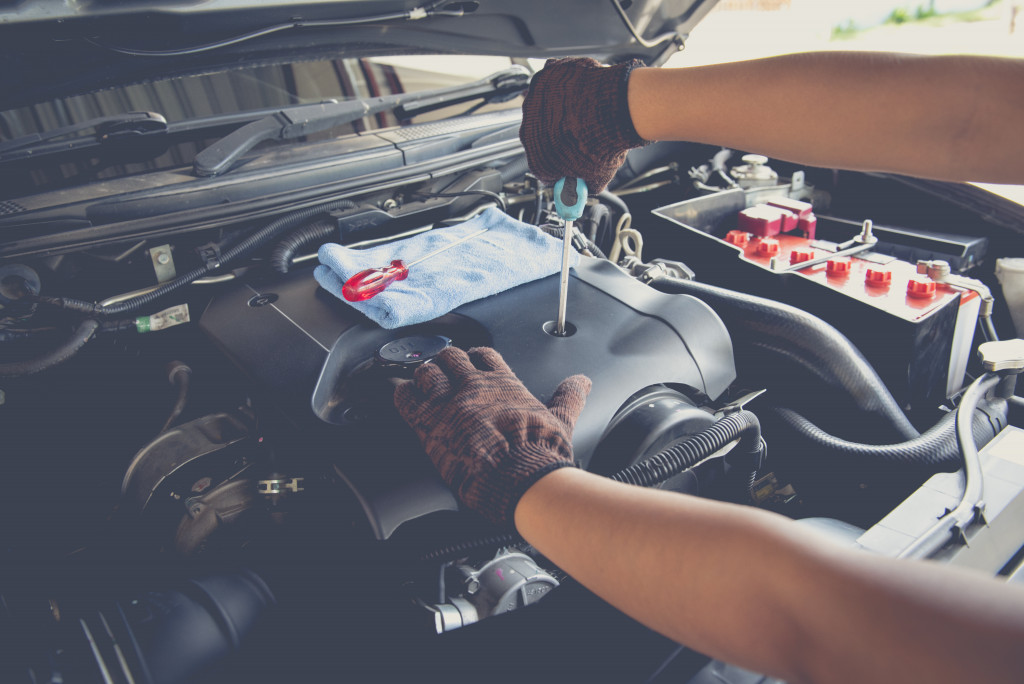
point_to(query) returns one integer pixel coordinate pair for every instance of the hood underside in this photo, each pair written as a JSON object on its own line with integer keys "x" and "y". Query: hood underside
{"x": 53, "y": 48}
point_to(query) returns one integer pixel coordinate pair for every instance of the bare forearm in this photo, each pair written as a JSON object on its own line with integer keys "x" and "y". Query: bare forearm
{"x": 951, "y": 117}
{"x": 746, "y": 586}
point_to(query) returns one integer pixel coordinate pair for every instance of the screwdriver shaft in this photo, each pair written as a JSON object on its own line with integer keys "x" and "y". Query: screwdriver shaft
{"x": 563, "y": 288}
{"x": 448, "y": 246}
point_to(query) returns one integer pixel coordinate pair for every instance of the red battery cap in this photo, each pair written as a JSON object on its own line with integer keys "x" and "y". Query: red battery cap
{"x": 768, "y": 247}
{"x": 737, "y": 237}
{"x": 837, "y": 268}
{"x": 877, "y": 278}
{"x": 798, "y": 256}
{"x": 922, "y": 288}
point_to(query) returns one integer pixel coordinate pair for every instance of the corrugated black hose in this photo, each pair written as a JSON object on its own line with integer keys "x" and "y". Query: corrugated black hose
{"x": 801, "y": 337}
{"x": 257, "y": 239}
{"x": 936, "y": 448}
{"x": 691, "y": 450}
{"x": 65, "y": 351}
{"x": 514, "y": 170}
{"x": 687, "y": 452}
{"x": 281, "y": 257}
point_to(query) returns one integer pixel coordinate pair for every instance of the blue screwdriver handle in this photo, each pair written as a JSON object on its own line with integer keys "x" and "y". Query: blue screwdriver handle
{"x": 570, "y": 197}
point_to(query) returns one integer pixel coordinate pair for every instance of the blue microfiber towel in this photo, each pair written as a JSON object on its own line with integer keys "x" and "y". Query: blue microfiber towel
{"x": 510, "y": 253}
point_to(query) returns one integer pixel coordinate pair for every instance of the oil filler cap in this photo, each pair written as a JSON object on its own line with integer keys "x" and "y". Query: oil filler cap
{"x": 412, "y": 351}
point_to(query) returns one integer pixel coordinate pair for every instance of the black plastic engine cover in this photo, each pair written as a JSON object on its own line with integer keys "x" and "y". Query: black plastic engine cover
{"x": 315, "y": 354}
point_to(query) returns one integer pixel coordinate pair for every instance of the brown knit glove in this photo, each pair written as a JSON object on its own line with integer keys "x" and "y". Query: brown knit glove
{"x": 486, "y": 434}
{"x": 576, "y": 121}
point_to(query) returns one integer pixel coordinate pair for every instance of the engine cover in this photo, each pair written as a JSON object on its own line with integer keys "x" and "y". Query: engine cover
{"x": 316, "y": 356}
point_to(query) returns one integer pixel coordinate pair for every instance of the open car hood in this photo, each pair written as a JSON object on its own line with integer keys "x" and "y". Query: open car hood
{"x": 53, "y": 48}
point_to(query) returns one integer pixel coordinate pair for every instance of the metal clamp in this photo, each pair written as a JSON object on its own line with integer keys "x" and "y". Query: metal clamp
{"x": 279, "y": 486}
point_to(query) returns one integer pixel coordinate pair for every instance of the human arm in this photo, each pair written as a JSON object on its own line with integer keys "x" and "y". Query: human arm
{"x": 951, "y": 117}
{"x": 735, "y": 582}
{"x": 757, "y": 590}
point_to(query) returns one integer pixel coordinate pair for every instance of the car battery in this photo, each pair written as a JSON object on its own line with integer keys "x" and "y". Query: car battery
{"x": 916, "y": 332}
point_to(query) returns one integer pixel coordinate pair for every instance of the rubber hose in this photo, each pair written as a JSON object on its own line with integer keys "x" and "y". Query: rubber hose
{"x": 78, "y": 338}
{"x": 281, "y": 257}
{"x": 937, "y": 447}
{"x": 801, "y": 337}
{"x": 460, "y": 548}
{"x": 514, "y": 169}
{"x": 598, "y": 216}
{"x": 611, "y": 198}
{"x": 693, "y": 449}
{"x": 260, "y": 237}
{"x": 178, "y": 375}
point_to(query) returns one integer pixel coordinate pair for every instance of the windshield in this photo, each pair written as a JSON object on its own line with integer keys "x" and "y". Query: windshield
{"x": 257, "y": 88}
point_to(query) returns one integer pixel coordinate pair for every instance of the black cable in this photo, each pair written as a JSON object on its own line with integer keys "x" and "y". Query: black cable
{"x": 82, "y": 334}
{"x": 691, "y": 450}
{"x": 580, "y": 241}
{"x": 457, "y": 549}
{"x": 281, "y": 257}
{"x": 257, "y": 239}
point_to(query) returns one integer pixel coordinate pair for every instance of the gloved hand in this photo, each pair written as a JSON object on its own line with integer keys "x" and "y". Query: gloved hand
{"x": 486, "y": 434}
{"x": 576, "y": 121}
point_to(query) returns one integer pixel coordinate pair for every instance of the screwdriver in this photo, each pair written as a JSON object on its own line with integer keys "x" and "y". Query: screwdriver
{"x": 570, "y": 197}
{"x": 371, "y": 282}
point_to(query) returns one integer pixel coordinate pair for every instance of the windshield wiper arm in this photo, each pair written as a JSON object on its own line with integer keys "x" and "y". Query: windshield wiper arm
{"x": 296, "y": 122}
{"x": 106, "y": 129}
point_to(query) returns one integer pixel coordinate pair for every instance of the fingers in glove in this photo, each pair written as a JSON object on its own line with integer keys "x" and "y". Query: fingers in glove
{"x": 431, "y": 380}
{"x": 569, "y": 398}
{"x": 487, "y": 359}
{"x": 456, "y": 365}
{"x": 407, "y": 398}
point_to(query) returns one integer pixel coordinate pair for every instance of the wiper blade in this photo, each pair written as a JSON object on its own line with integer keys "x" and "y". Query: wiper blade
{"x": 105, "y": 130}
{"x": 296, "y": 122}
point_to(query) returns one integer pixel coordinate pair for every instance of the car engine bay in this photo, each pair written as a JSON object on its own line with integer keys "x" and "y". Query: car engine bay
{"x": 207, "y": 478}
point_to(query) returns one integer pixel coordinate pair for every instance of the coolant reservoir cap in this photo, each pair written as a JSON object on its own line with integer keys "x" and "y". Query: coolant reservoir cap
{"x": 412, "y": 351}
{"x": 1004, "y": 355}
